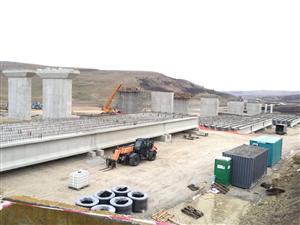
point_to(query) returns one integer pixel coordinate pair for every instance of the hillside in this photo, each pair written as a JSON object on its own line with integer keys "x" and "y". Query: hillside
{"x": 93, "y": 86}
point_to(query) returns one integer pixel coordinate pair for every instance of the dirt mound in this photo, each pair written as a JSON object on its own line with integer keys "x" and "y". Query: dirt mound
{"x": 284, "y": 208}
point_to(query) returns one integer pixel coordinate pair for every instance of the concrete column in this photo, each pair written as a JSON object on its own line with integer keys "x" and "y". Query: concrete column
{"x": 209, "y": 106}
{"x": 19, "y": 93}
{"x": 181, "y": 105}
{"x": 253, "y": 108}
{"x": 271, "y": 108}
{"x": 236, "y": 107}
{"x": 57, "y": 92}
{"x": 266, "y": 108}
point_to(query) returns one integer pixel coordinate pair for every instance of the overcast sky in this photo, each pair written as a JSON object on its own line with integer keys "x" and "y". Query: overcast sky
{"x": 223, "y": 45}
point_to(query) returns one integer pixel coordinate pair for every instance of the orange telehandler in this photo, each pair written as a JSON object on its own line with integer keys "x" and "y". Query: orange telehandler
{"x": 143, "y": 148}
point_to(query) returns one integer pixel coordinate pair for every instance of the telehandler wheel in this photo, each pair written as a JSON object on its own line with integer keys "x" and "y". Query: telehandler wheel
{"x": 152, "y": 155}
{"x": 134, "y": 159}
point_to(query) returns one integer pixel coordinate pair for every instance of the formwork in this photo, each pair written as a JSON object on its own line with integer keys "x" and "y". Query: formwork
{"x": 249, "y": 164}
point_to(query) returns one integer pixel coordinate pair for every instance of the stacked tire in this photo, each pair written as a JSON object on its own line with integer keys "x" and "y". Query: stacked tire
{"x": 87, "y": 201}
{"x": 120, "y": 199}
{"x": 140, "y": 201}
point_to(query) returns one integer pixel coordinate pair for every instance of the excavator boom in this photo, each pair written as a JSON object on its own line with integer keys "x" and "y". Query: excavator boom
{"x": 107, "y": 106}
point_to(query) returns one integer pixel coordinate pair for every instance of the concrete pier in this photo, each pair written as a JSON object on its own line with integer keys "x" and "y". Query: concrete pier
{"x": 236, "y": 107}
{"x": 57, "y": 92}
{"x": 266, "y": 108}
{"x": 162, "y": 101}
{"x": 181, "y": 105}
{"x": 19, "y": 93}
{"x": 271, "y": 108}
{"x": 209, "y": 106}
{"x": 253, "y": 108}
{"x": 133, "y": 101}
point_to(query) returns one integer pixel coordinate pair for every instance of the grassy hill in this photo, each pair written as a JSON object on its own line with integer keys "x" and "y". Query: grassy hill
{"x": 93, "y": 86}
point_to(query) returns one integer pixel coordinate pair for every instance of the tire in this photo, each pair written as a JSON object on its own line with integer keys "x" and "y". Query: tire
{"x": 122, "y": 204}
{"x": 87, "y": 201}
{"x": 134, "y": 159}
{"x": 104, "y": 196}
{"x": 103, "y": 207}
{"x": 152, "y": 155}
{"x": 121, "y": 190}
{"x": 140, "y": 201}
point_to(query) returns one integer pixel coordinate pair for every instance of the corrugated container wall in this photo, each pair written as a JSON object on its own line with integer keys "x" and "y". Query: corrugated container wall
{"x": 248, "y": 165}
{"x": 274, "y": 146}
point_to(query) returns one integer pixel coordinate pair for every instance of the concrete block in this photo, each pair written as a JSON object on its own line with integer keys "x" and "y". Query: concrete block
{"x": 57, "y": 92}
{"x": 236, "y": 107}
{"x": 19, "y": 93}
{"x": 99, "y": 152}
{"x": 209, "y": 106}
{"x": 91, "y": 154}
{"x": 165, "y": 138}
{"x": 162, "y": 101}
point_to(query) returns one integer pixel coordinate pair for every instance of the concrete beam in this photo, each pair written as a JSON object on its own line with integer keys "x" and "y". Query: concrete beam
{"x": 33, "y": 151}
{"x": 57, "y": 92}
{"x": 19, "y": 93}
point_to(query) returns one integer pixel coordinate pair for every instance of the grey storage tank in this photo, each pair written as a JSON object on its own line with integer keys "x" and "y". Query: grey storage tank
{"x": 249, "y": 164}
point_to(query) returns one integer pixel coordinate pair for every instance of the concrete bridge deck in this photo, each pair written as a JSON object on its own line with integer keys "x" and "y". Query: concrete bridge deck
{"x": 28, "y": 143}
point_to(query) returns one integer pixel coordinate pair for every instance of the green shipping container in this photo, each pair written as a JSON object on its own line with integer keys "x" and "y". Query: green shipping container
{"x": 223, "y": 170}
{"x": 274, "y": 146}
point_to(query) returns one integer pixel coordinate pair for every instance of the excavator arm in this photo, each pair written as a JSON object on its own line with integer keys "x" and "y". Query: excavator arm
{"x": 107, "y": 106}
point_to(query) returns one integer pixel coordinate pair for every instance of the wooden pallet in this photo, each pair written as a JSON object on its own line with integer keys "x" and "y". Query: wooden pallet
{"x": 164, "y": 216}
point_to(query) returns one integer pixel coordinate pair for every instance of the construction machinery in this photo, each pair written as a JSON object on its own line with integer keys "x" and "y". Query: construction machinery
{"x": 107, "y": 106}
{"x": 143, "y": 148}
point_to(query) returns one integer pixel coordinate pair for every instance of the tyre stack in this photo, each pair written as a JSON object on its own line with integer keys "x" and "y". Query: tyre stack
{"x": 119, "y": 199}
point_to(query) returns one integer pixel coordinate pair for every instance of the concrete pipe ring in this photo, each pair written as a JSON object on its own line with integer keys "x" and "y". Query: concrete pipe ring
{"x": 122, "y": 204}
{"x": 140, "y": 201}
{"x": 104, "y": 207}
{"x": 87, "y": 201}
{"x": 121, "y": 190}
{"x": 104, "y": 196}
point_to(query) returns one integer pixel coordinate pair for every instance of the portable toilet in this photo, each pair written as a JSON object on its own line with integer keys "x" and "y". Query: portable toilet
{"x": 223, "y": 170}
{"x": 274, "y": 146}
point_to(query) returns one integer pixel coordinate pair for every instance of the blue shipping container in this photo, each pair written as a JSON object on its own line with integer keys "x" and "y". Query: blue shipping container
{"x": 274, "y": 146}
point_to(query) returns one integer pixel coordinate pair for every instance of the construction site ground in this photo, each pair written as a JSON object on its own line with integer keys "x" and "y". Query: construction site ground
{"x": 178, "y": 164}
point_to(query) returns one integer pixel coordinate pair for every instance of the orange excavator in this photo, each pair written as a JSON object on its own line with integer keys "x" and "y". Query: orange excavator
{"x": 143, "y": 148}
{"x": 107, "y": 106}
